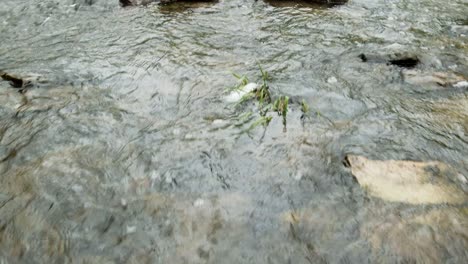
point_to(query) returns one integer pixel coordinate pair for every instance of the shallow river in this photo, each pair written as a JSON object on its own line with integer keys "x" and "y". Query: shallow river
{"x": 125, "y": 150}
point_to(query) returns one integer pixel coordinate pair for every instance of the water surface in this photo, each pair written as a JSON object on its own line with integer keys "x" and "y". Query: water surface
{"x": 126, "y": 152}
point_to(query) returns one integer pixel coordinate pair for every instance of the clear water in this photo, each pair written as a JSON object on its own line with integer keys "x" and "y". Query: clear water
{"x": 126, "y": 152}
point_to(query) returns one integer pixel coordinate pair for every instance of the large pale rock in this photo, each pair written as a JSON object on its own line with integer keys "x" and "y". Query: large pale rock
{"x": 407, "y": 181}
{"x": 437, "y": 78}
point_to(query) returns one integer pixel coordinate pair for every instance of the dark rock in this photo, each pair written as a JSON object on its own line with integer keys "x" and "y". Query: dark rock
{"x": 24, "y": 82}
{"x": 89, "y": 2}
{"x": 363, "y": 57}
{"x": 14, "y": 81}
{"x": 125, "y": 3}
{"x": 403, "y": 61}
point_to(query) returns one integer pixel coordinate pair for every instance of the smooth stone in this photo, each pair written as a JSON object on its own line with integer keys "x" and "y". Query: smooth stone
{"x": 406, "y": 181}
{"x": 332, "y": 80}
{"x": 437, "y": 78}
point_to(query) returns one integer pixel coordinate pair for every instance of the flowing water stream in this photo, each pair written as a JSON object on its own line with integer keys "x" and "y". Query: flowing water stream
{"x": 125, "y": 151}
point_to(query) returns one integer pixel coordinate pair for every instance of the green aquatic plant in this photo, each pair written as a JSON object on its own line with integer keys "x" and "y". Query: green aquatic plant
{"x": 243, "y": 119}
{"x": 265, "y": 75}
{"x": 242, "y": 81}
{"x": 304, "y": 108}
{"x": 242, "y": 78}
{"x": 263, "y": 121}
{"x": 260, "y": 121}
{"x": 263, "y": 96}
{"x": 281, "y": 107}
{"x": 262, "y": 93}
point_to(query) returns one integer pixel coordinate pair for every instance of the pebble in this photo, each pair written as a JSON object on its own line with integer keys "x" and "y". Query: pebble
{"x": 298, "y": 176}
{"x": 123, "y": 202}
{"x": 77, "y": 188}
{"x": 169, "y": 179}
{"x": 332, "y": 80}
{"x": 176, "y": 132}
{"x": 155, "y": 176}
{"x": 189, "y": 137}
{"x": 199, "y": 202}
{"x": 462, "y": 178}
{"x": 131, "y": 229}
{"x": 219, "y": 122}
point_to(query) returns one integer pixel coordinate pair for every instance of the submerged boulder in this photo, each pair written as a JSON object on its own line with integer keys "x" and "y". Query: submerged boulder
{"x": 425, "y": 236}
{"x": 444, "y": 79}
{"x": 408, "y": 181}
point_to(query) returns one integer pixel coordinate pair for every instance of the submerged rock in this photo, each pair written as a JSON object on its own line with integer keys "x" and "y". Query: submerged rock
{"x": 401, "y": 60}
{"x": 437, "y": 78}
{"x": 15, "y": 82}
{"x": 125, "y": 3}
{"x": 405, "y": 62}
{"x": 406, "y": 181}
{"x": 418, "y": 78}
{"x": 420, "y": 237}
{"x": 24, "y": 82}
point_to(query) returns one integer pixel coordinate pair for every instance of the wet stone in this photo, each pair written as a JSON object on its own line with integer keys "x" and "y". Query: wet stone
{"x": 444, "y": 79}
{"x": 405, "y": 62}
{"x": 411, "y": 237}
{"x": 407, "y": 181}
{"x": 15, "y": 82}
{"x": 396, "y": 59}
